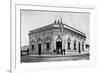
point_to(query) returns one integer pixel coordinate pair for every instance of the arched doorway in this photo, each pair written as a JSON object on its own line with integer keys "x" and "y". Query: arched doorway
{"x": 39, "y": 49}
{"x": 39, "y": 40}
{"x": 59, "y": 45}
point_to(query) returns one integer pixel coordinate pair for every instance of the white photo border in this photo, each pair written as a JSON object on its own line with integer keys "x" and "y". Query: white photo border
{"x": 17, "y": 66}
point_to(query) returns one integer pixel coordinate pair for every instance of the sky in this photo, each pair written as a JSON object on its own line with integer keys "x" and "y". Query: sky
{"x": 34, "y": 19}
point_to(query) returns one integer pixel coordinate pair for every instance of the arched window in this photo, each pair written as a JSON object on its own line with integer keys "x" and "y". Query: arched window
{"x": 82, "y": 45}
{"x": 47, "y": 41}
{"x": 68, "y": 46}
{"x": 32, "y": 47}
{"x": 75, "y": 44}
{"x": 68, "y": 43}
{"x": 79, "y": 47}
{"x": 47, "y": 46}
{"x": 32, "y": 44}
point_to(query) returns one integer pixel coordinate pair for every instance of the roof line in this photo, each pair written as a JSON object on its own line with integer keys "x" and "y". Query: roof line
{"x": 41, "y": 27}
{"x": 75, "y": 29}
{"x": 65, "y": 25}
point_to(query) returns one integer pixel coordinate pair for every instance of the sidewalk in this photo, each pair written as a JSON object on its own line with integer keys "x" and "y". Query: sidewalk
{"x": 46, "y": 58}
{"x": 59, "y": 55}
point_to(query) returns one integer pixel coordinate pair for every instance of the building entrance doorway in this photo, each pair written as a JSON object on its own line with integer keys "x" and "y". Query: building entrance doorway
{"x": 39, "y": 49}
{"x": 58, "y": 46}
{"x": 79, "y": 47}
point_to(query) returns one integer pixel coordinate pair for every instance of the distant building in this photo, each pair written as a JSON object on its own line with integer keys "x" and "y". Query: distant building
{"x": 24, "y": 50}
{"x": 24, "y": 47}
{"x": 57, "y": 38}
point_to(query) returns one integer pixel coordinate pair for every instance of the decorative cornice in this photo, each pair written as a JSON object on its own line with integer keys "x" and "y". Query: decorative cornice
{"x": 56, "y": 26}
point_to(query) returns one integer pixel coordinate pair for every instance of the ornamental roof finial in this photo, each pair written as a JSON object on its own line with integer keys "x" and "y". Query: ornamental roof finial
{"x": 55, "y": 21}
{"x": 58, "y": 21}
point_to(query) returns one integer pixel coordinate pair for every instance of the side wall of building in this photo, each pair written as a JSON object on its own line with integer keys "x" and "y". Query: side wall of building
{"x": 41, "y": 38}
{"x": 69, "y": 36}
{"x": 51, "y": 36}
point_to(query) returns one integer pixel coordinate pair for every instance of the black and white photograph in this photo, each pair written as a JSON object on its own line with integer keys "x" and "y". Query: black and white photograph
{"x": 48, "y": 36}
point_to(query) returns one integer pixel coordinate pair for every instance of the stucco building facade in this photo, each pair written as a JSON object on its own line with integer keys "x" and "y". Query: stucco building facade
{"x": 57, "y": 38}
